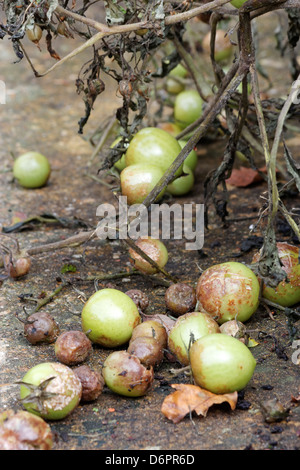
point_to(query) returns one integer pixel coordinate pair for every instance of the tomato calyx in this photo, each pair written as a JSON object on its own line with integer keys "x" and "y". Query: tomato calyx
{"x": 37, "y": 393}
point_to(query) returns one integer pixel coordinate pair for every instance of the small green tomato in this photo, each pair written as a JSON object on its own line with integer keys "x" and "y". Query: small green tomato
{"x": 238, "y": 3}
{"x": 187, "y": 329}
{"x": 223, "y": 46}
{"x": 183, "y": 184}
{"x": 228, "y": 291}
{"x": 109, "y": 317}
{"x": 50, "y": 390}
{"x": 221, "y": 363}
{"x": 31, "y": 170}
{"x": 287, "y": 293}
{"x": 175, "y": 86}
{"x": 153, "y": 146}
{"x": 187, "y": 107}
{"x": 192, "y": 158}
{"x": 120, "y": 164}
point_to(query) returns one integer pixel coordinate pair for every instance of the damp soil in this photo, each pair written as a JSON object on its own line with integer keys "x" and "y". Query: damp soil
{"x": 43, "y": 115}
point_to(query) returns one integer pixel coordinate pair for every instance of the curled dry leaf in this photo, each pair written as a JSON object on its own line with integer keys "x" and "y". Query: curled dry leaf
{"x": 188, "y": 398}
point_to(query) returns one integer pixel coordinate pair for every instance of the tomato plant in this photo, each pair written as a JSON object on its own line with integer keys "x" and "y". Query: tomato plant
{"x": 109, "y": 316}
{"x": 31, "y": 170}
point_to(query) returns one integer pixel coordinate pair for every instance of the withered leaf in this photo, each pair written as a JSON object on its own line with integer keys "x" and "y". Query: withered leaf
{"x": 243, "y": 177}
{"x": 188, "y": 398}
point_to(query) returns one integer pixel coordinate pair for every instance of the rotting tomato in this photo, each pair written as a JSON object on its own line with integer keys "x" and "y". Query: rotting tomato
{"x": 180, "y": 298}
{"x": 287, "y": 293}
{"x": 147, "y": 349}
{"x": 138, "y": 180}
{"x": 125, "y": 375}
{"x": 152, "y": 329}
{"x": 187, "y": 329}
{"x": 72, "y": 347}
{"x": 21, "y": 430}
{"x": 92, "y": 382}
{"x": 40, "y": 327}
{"x": 34, "y": 34}
{"x": 109, "y": 317}
{"x": 31, "y": 170}
{"x": 221, "y": 363}
{"x": 155, "y": 249}
{"x": 153, "y": 146}
{"x": 228, "y": 291}
{"x": 50, "y": 390}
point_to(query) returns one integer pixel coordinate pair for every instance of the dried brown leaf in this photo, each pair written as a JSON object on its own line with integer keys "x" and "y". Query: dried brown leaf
{"x": 188, "y": 398}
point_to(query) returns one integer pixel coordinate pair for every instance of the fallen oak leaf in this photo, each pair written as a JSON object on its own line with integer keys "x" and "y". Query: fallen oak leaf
{"x": 188, "y": 398}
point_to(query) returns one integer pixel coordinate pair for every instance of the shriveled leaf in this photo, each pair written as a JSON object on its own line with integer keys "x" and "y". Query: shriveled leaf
{"x": 292, "y": 166}
{"x": 243, "y": 177}
{"x": 188, "y": 398}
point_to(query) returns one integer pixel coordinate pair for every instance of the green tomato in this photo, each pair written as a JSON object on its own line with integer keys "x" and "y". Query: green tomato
{"x": 65, "y": 386}
{"x": 175, "y": 86}
{"x": 228, "y": 291}
{"x": 187, "y": 329}
{"x": 287, "y": 293}
{"x": 187, "y": 107}
{"x": 183, "y": 184}
{"x": 153, "y": 146}
{"x": 120, "y": 164}
{"x": 109, "y": 317}
{"x": 192, "y": 158}
{"x": 223, "y": 46}
{"x": 178, "y": 71}
{"x": 31, "y": 170}
{"x": 221, "y": 363}
{"x": 138, "y": 180}
{"x": 124, "y": 374}
{"x": 170, "y": 127}
{"x": 238, "y": 3}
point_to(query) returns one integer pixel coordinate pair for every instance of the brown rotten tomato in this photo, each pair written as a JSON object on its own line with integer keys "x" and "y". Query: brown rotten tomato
{"x": 228, "y": 291}
{"x": 21, "y": 430}
{"x": 40, "y": 327}
{"x": 125, "y": 375}
{"x": 72, "y": 347}
{"x": 147, "y": 349}
{"x": 92, "y": 382}
{"x": 287, "y": 293}
{"x": 180, "y": 298}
